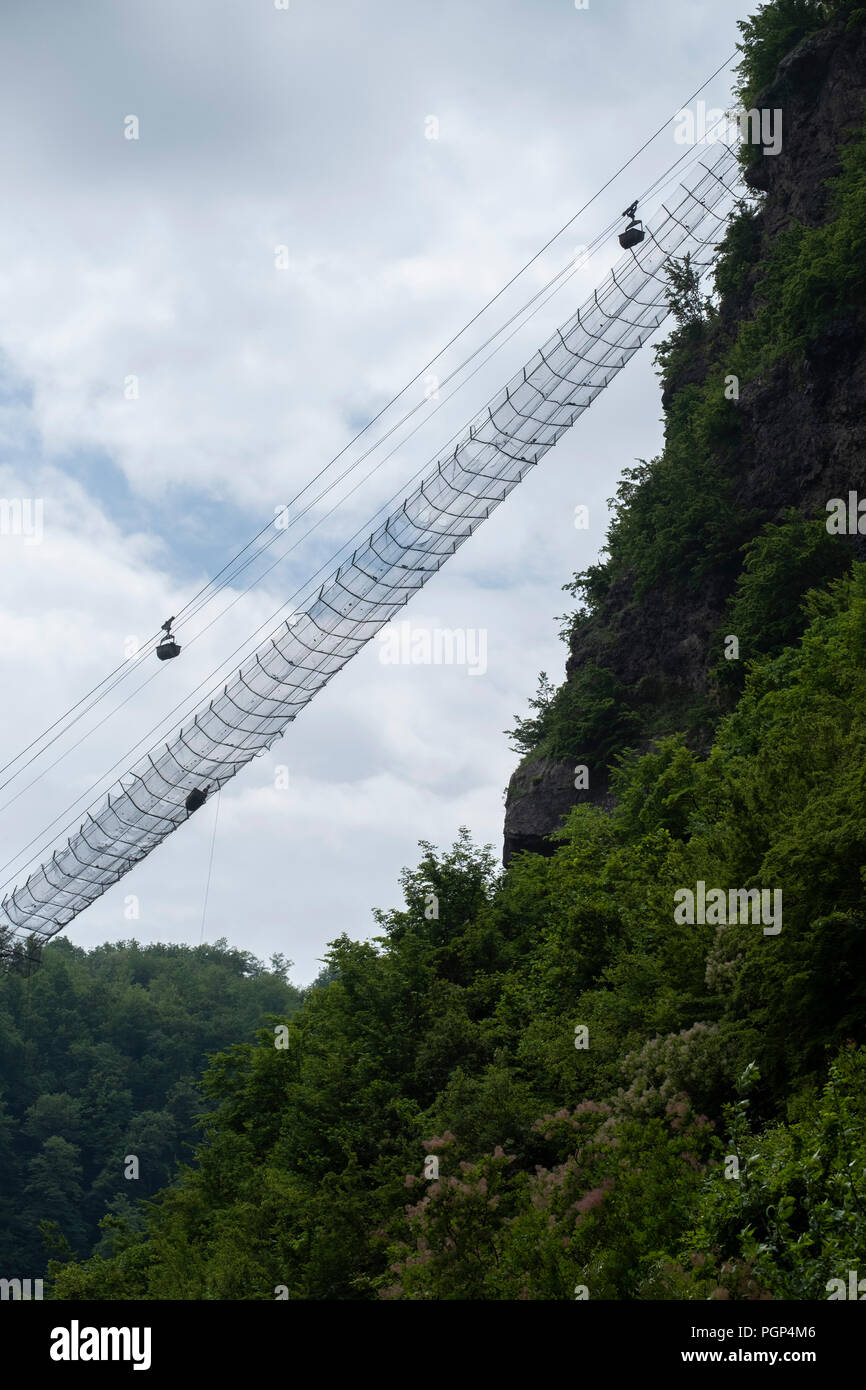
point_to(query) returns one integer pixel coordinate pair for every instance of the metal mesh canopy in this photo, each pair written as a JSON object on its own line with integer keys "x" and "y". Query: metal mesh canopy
{"x": 508, "y": 437}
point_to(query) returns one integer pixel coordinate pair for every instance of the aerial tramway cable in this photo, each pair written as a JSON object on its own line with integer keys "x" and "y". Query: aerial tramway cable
{"x": 216, "y": 816}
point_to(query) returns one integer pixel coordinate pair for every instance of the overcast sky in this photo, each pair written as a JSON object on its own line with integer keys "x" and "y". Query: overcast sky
{"x": 279, "y": 251}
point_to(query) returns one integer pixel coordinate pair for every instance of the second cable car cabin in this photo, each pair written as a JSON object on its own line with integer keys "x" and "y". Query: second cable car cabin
{"x": 634, "y": 232}
{"x": 167, "y": 648}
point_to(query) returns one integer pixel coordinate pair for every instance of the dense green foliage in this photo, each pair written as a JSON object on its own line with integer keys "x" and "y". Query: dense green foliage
{"x": 667, "y": 512}
{"x": 589, "y": 711}
{"x": 562, "y": 1166}
{"x": 528, "y": 729}
{"x": 101, "y": 1054}
{"x": 781, "y": 565}
{"x": 776, "y": 28}
{"x": 676, "y": 520}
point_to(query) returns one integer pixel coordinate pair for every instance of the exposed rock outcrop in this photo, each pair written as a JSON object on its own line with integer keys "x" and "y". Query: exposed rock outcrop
{"x": 802, "y": 440}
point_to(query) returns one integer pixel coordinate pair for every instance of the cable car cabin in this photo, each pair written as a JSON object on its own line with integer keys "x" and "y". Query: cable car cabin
{"x": 632, "y": 236}
{"x": 196, "y": 798}
{"x": 167, "y": 646}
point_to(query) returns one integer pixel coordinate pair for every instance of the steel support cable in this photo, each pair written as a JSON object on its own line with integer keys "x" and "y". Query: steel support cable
{"x": 332, "y": 626}
{"x": 121, "y": 671}
{"x": 209, "y": 867}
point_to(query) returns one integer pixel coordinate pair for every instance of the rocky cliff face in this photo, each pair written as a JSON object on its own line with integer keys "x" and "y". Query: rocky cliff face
{"x": 802, "y": 440}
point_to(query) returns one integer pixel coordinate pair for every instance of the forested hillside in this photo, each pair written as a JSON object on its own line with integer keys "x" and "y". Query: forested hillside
{"x": 604, "y": 1164}
{"x": 764, "y": 393}
{"x": 101, "y": 1053}
{"x": 586, "y": 1074}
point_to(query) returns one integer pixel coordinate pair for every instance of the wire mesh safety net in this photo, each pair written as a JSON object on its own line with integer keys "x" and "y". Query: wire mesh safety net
{"x": 508, "y": 438}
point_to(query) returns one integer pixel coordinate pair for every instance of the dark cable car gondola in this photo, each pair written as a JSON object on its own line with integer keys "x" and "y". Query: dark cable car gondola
{"x": 196, "y": 798}
{"x": 167, "y": 647}
{"x": 634, "y": 232}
